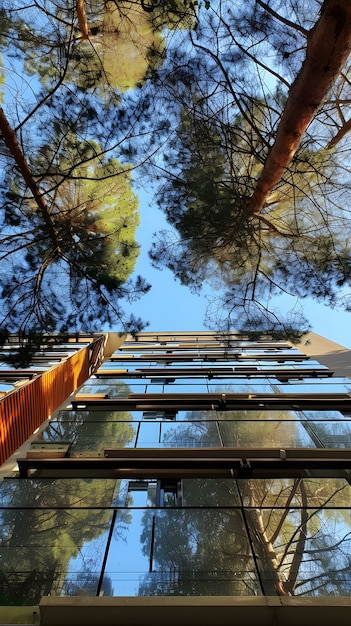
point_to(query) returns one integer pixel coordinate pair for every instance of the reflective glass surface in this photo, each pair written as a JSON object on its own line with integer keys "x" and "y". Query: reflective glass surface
{"x": 46, "y": 551}
{"x": 182, "y": 552}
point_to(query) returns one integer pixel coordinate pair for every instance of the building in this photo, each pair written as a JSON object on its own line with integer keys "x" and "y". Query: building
{"x": 194, "y": 478}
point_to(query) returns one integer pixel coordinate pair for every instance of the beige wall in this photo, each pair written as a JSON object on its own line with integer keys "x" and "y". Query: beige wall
{"x": 333, "y": 355}
{"x": 195, "y": 611}
{"x": 113, "y": 342}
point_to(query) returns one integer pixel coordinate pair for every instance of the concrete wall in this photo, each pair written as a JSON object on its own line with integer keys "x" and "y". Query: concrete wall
{"x": 333, "y": 355}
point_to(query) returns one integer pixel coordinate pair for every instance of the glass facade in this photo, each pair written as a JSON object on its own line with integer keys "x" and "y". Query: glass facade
{"x": 186, "y": 466}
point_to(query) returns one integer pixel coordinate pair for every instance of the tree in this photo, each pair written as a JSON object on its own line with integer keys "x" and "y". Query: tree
{"x": 294, "y": 242}
{"x": 79, "y": 250}
{"x": 124, "y": 30}
{"x": 328, "y": 48}
{"x": 86, "y": 56}
{"x": 172, "y": 14}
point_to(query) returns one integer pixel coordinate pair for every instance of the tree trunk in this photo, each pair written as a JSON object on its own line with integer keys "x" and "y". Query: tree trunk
{"x": 82, "y": 19}
{"x": 328, "y": 46}
{"x": 14, "y": 148}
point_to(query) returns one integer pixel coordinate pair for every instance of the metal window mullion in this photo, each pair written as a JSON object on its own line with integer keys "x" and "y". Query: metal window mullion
{"x": 108, "y": 543}
{"x": 219, "y": 433}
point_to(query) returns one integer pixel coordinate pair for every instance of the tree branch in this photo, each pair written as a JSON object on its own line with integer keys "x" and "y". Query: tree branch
{"x": 14, "y": 148}
{"x": 346, "y": 127}
{"x": 282, "y": 19}
{"x": 328, "y": 46}
{"x": 82, "y": 19}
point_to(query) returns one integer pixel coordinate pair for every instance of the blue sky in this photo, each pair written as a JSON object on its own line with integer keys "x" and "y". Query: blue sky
{"x": 170, "y": 306}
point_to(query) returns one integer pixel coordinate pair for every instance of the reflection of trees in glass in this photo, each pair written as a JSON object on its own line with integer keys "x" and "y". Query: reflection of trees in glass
{"x": 52, "y": 542}
{"x": 198, "y": 552}
{"x": 238, "y": 429}
{"x": 38, "y": 544}
{"x": 91, "y": 433}
{"x": 332, "y": 434}
{"x": 300, "y": 531}
{"x": 86, "y": 584}
{"x": 192, "y": 434}
{"x": 300, "y": 549}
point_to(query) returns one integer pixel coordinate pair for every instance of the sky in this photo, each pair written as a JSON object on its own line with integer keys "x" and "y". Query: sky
{"x": 169, "y": 306}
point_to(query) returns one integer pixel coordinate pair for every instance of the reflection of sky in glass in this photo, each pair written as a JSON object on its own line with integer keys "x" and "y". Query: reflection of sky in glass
{"x": 152, "y": 551}
{"x": 235, "y": 366}
{"x": 91, "y": 432}
{"x": 126, "y": 562}
{"x": 88, "y": 561}
{"x": 185, "y": 384}
{"x": 203, "y": 547}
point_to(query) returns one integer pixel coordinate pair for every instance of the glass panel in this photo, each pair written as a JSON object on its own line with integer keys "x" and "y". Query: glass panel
{"x": 127, "y": 559}
{"x": 135, "y": 493}
{"x": 265, "y": 415}
{"x": 149, "y": 435}
{"x": 189, "y": 434}
{"x": 48, "y": 493}
{"x": 130, "y": 365}
{"x": 292, "y": 365}
{"x": 280, "y": 492}
{"x": 182, "y": 552}
{"x": 324, "y": 415}
{"x": 196, "y": 415}
{"x": 39, "y": 551}
{"x": 5, "y": 387}
{"x": 98, "y": 416}
{"x": 300, "y": 550}
{"x": 167, "y": 377}
{"x": 265, "y": 434}
{"x": 193, "y": 387}
{"x": 209, "y": 492}
{"x": 154, "y": 388}
{"x": 332, "y": 434}
{"x": 318, "y": 385}
{"x": 242, "y": 381}
{"x": 84, "y": 568}
{"x": 113, "y": 389}
{"x": 248, "y": 386}
{"x": 92, "y": 437}
{"x": 138, "y": 494}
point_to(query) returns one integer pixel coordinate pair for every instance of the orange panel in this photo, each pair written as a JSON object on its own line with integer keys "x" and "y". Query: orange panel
{"x": 26, "y": 408}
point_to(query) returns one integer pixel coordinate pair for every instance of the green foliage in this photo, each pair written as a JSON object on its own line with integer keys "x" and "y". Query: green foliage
{"x": 78, "y": 262}
{"x": 218, "y": 88}
{"x": 172, "y": 14}
{"x": 212, "y": 166}
{"x": 124, "y": 32}
{"x": 95, "y": 212}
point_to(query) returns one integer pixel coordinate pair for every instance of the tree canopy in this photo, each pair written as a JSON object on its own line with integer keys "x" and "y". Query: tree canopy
{"x": 69, "y": 246}
{"x": 246, "y": 218}
{"x": 229, "y": 113}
